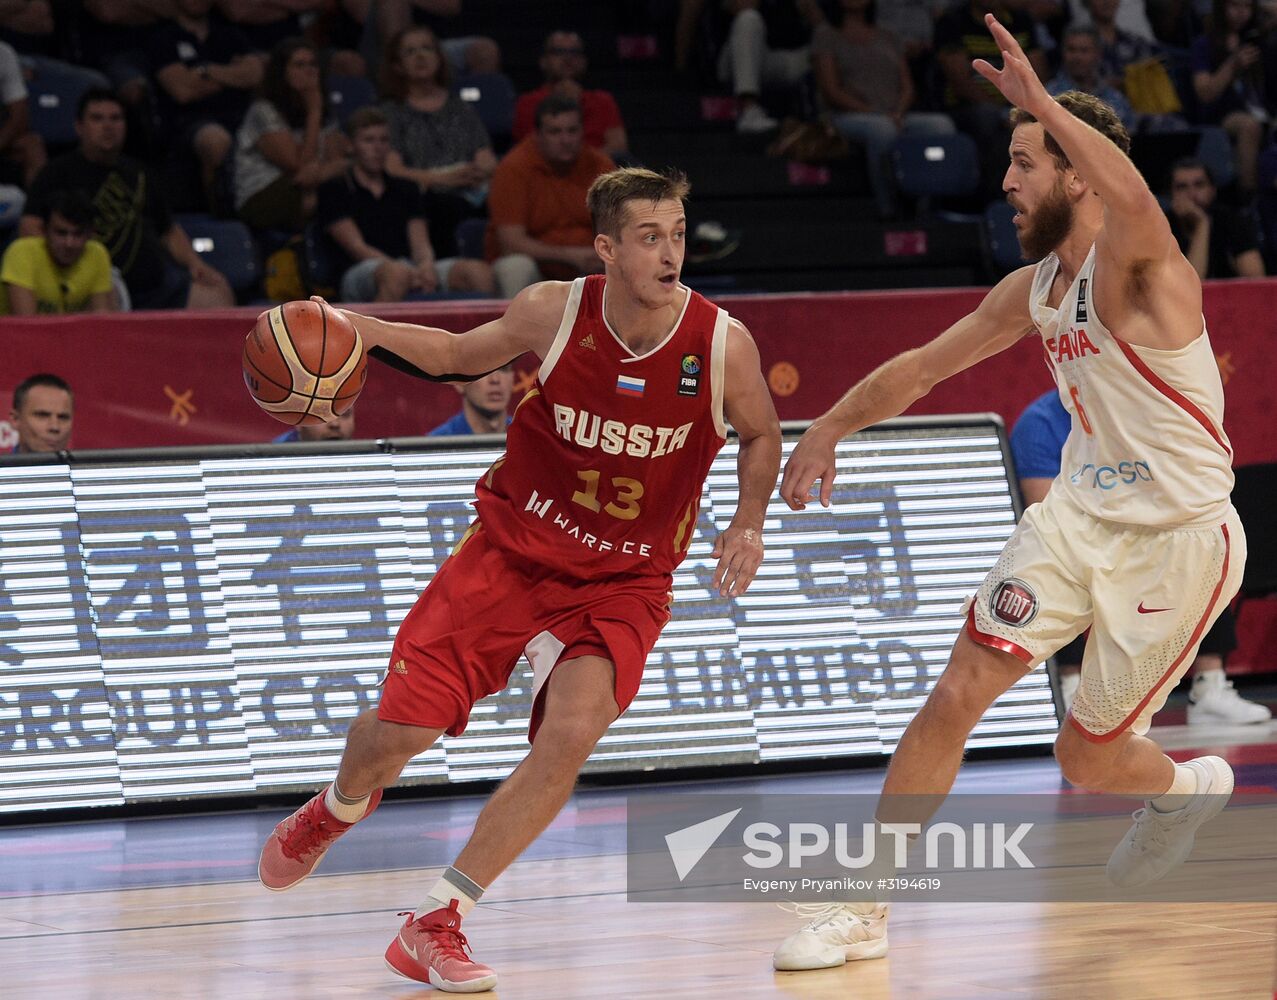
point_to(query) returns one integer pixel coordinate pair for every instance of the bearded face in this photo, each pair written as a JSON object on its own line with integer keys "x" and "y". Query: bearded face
{"x": 1045, "y": 227}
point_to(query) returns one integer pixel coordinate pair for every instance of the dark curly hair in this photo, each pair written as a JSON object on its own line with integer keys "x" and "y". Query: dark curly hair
{"x": 275, "y": 88}
{"x": 1090, "y": 109}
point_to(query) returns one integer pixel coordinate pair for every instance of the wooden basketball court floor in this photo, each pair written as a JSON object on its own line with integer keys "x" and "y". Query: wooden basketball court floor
{"x": 170, "y": 908}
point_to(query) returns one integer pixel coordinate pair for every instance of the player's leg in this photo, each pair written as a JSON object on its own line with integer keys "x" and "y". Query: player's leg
{"x": 922, "y": 771}
{"x": 1155, "y": 599}
{"x": 438, "y": 666}
{"x": 1030, "y": 604}
{"x": 579, "y": 706}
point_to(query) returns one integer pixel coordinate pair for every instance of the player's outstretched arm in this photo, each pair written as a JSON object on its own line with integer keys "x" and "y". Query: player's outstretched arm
{"x": 529, "y": 324}
{"x": 747, "y": 406}
{"x": 1135, "y": 228}
{"x": 997, "y": 323}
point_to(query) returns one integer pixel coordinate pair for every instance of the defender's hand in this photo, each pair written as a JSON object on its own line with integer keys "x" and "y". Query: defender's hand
{"x": 811, "y": 459}
{"x": 1016, "y": 80}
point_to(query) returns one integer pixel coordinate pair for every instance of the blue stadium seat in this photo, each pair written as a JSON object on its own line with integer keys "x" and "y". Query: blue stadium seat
{"x": 227, "y": 245}
{"x": 939, "y": 166}
{"x": 1000, "y": 234}
{"x": 348, "y": 94}
{"x": 1216, "y": 151}
{"x": 53, "y": 94}
{"x": 492, "y": 96}
{"x": 470, "y": 237}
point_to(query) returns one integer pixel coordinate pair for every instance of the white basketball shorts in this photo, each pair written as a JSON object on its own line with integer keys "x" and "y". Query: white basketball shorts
{"x": 1147, "y": 594}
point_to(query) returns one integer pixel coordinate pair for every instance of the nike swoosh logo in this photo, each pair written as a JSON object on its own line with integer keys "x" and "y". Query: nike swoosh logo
{"x": 412, "y": 952}
{"x": 1150, "y": 611}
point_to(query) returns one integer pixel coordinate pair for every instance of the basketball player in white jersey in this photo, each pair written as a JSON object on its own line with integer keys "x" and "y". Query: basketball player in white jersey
{"x": 1136, "y": 538}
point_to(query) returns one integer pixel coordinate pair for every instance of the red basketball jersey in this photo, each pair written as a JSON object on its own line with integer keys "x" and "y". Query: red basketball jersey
{"x": 607, "y": 456}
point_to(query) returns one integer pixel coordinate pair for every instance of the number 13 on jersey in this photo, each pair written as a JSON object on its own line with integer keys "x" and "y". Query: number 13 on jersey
{"x": 624, "y": 506}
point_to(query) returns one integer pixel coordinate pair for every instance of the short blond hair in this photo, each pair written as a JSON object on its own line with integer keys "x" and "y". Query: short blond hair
{"x": 609, "y": 193}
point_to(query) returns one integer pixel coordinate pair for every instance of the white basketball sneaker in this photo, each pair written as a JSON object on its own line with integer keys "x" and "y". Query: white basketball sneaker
{"x": 1214, "y": 701}
{"x": 1161, "y": 841}
{"x": 837, "y": 933}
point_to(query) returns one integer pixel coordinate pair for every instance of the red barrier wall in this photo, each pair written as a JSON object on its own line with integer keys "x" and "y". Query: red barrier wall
{"x": 174, "y": 378}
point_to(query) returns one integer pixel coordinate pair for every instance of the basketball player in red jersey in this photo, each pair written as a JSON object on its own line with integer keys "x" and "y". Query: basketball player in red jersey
{"x": 1136, "y": 538}
{"x": 570, "y": 559}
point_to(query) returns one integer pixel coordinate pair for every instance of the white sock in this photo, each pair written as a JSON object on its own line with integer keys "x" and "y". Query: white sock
{"x": 345, "y": 809}
{"x": 1176, "y": 797}
{"x": 452, "y": 885}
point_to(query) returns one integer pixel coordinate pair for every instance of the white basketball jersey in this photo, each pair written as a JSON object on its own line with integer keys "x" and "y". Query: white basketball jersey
{"x": 1147, "y": 446}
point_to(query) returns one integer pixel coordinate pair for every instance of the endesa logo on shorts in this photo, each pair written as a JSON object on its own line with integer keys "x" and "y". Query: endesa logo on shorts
{"x": 1013, "y": 603}
{"x": 1107, "y": 477}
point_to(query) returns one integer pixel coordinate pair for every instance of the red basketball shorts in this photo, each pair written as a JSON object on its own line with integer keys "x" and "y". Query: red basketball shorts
{"x": 485, "y": 608}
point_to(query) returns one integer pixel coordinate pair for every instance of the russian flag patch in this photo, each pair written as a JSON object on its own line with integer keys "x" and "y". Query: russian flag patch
{"x": 630, "y": 386}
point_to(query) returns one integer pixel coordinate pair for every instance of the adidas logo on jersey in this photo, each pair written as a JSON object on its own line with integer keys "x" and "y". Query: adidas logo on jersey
{"x": 587, "y": 342}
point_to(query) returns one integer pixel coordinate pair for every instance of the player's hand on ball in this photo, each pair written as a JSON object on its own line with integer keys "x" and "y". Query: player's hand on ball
{"x": 812, "y": 459}
{"x": 739, "y": 552}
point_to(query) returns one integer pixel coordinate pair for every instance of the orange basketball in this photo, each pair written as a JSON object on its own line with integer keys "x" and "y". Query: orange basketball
{"x": 304, "y": 363}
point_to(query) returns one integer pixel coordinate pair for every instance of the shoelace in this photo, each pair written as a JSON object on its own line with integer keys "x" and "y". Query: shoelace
{"x": 1152, "y": 828}
{"x": 443, "y": 927}
{"x": 819, "y": 914}
{"x": 306, "y": 836}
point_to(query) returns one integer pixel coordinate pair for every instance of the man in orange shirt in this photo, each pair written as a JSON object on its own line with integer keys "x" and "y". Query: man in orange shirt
{"x": 539, "y": 224}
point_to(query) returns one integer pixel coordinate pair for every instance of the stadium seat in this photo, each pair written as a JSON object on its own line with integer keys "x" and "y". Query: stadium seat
{"x": 942, "y": 166}
{"x": 470, "y": 236}
{"x": 53, "y": 95}
{"x": 492, "y": 96}
{"x": 348, "y": 94}
{"x": 1216, "y": 151}
{"x": 227, "y": 245}
{"x": 1001, "y": 237}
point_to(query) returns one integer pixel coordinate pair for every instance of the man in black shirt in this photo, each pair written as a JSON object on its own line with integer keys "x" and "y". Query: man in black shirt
{"x": 379, "y": 224}
{"x": 1218, "y": 240}
{"x": 150, "y": 250}
{"x": 206, "y": 70}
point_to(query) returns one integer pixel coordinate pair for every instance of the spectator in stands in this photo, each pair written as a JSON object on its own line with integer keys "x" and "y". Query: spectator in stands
{"x": 436, "y": 138}
{"x": 340, "y": 428}
{"x": 63, "y": 271}
{"x": 539, "y": 224}
{"x": 1219, "y": 241}
{"x": 976, "y": 106}
{"x": 153, "y": 254}
{"x": 22, "y": 152}
{"x": 379, "y": 223}
{"x": 43, "y": 408}
{"x": 1037, "y": 442}
{"x": 864, "y": 81}
{"x": 768, "y": 44}
{"x": 1080, "y": 70}
{"x": 289, "y": 143}
{"x": 484, "y": 405}
{"x": 266, "y": 23}
{"x": 563, "y": 65}
{"x": 1128, "y": 17}
{"x": 1119, "y": 51}
{"x": 383, "y": 19}
{"x": 206, "y": 70}
{"x": 113, "y": 36}
{"x": 1229, "y": 81}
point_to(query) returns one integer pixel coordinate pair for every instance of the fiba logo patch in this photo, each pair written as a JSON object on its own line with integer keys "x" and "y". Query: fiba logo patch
{"x": 689, "y": 381}
{"x": 1014, "y": 603}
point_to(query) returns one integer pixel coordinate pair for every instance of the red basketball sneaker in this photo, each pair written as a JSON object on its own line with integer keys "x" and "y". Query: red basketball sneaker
{"x": 300, "y": 842}
{"x": 431, "y": 949}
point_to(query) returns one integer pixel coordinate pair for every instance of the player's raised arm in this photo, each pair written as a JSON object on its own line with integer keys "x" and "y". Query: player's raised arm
{"x": 747, "y": 406}
{"x": 528, "y": 324}
{"x": 1135, "y": 228}
{"x": 997, "y": 323}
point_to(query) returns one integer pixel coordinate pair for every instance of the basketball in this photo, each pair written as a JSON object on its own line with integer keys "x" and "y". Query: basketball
{"x": 304, "y": 363}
